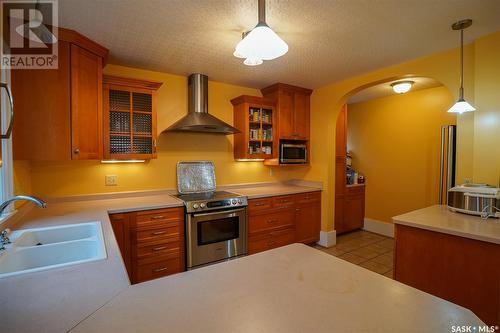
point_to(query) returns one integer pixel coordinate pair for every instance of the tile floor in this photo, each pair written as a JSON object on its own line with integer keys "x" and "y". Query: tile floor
{"x": 371, "y": 251}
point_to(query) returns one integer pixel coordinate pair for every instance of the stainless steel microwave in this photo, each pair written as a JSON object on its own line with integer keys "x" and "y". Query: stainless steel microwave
{"x": 293, "y": 153}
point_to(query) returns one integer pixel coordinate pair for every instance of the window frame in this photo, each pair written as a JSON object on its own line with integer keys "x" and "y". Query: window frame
{"x": 6, "y": 168}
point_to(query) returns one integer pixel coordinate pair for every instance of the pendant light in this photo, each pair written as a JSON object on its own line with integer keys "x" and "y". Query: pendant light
{"x": 261, "y": 43}
{"x": 461, "y": 105}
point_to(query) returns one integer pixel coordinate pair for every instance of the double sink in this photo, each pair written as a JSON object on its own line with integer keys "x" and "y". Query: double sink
{"x": 39, "y": 249}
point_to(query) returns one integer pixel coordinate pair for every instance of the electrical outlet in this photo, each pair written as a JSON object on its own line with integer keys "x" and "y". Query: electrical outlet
{"x": 111, "y": 180}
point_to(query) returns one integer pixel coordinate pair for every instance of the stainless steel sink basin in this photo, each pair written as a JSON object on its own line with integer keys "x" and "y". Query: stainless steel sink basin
{"x": 38, "y": 249}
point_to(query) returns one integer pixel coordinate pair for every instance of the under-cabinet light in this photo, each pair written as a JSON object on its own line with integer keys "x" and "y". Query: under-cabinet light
{"x": 249, "y": 159}
{"x": 122, "y": 161}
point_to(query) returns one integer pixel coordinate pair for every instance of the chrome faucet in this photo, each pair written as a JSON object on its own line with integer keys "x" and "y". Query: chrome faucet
{"x": 39, "y": 202}
{"x": 4, "y": 239}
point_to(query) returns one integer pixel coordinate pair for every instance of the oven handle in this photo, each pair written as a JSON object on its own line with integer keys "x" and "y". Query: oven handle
{"x": 219, "y": 212}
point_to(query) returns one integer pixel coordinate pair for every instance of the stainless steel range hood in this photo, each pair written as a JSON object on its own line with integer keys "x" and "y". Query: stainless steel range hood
{"x": 198, "y": 119}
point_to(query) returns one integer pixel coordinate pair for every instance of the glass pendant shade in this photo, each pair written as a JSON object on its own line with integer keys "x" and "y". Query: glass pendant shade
{"x": 262, "y": 43}
{"x": 461, "y": 106}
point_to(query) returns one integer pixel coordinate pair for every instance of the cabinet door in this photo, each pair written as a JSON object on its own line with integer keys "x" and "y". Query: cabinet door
{"x": 86, "y": 104}
{"x": 308, "y": 222}
{"x": 42, "y": 102}
{"x": 301, "y": 116}
{"x": 121, "y": 229}
{"x": 354, "y": 213}
{"x": 285, "y": 122}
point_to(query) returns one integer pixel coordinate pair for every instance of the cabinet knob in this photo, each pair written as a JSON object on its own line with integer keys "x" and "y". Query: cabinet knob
{"x": 77, "y": 151}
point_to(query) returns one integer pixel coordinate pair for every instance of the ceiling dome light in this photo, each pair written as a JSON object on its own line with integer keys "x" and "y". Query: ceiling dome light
{"x": 461, "y": 105}
{"x": 261, "y": 43}
{"x": 402, "y": 87}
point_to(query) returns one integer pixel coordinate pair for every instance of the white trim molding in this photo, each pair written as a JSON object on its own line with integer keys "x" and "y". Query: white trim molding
{"x": 379, "y": 227}
{"x": 327, "y": 238}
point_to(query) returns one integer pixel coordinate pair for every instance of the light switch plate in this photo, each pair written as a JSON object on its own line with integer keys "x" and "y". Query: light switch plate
{"x": 111, "y": 180}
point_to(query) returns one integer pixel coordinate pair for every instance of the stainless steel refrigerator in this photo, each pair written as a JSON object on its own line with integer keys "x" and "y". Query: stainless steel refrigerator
{"x": 448, "y": 161}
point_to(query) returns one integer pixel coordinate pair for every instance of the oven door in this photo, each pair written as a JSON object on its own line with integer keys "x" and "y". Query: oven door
{"x": 293, "y": 153}
{"x": 215, "y": 236}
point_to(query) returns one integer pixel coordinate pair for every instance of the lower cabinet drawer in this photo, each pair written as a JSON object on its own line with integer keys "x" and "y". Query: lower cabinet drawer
{"x": 157, "y": 269}
{"x": 258, "y": 205}
{"x": 264, "y": 222}
{"x": 156, "y": 250}
{"x": 271, "y": 240}
{"x": 159, "y": 217}
{"x": 152, "y": 235}
{"x": 307, "y": 198}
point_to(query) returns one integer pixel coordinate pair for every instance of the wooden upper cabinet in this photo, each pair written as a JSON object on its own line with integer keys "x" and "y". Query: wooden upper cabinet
{"x": 293, "y": 109}
{"x": 86, "y": 104}
{"x": 255, "y": 117}
{"x": 129, "y": 118}
{"x": 59, "y": 111}
{"x": 302, "y": 113}
{"x": 286, "y": 121}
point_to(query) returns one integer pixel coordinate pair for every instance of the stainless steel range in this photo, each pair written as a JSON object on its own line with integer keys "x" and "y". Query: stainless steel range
{"x": 216, "y": 221}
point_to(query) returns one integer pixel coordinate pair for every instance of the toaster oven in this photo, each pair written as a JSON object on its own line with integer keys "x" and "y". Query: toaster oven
{"x": 475, "y": 199}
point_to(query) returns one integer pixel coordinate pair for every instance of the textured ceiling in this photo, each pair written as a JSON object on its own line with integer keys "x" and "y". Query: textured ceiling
{"x": 329, "y": 40}
{"x": 385, "y": 89}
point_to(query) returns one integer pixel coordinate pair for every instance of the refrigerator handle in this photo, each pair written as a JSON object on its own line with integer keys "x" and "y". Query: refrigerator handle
{"x": 450, "y": 164}
{"x": 441, "y": 172}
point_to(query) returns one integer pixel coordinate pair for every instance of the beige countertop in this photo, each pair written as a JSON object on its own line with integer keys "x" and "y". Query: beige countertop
{"x": 56, "y": 300}
{"x": 290, "y": 289}
{"x": 272, "y": 190}
{"x": 439, "y": 218}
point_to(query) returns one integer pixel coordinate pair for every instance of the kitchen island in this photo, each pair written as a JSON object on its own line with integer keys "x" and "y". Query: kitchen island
{"x": 451, "y": 255}
{"x": 290, "y": 289}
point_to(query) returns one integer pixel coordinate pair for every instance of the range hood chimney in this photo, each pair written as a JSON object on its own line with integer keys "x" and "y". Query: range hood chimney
{"x": 198, "y": 119}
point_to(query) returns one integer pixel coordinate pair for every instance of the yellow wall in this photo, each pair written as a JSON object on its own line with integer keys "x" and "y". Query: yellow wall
{"x": 486, "y": 154}
{"x": 327, "y": 101}
{"x": 50, "y": 179}
{"x": 395, "y": 143}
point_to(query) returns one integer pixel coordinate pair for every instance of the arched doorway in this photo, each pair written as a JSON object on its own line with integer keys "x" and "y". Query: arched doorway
{"x": 394, "y": 141}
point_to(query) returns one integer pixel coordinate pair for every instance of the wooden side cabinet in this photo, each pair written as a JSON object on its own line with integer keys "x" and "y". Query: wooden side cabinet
{"x": 349, "y": 199}
{"x": 151, "y": 242}
{"x": 461, "y": 270}
{"x": 307, "y": 217}
{"x": 129, "y": 118}
{"x": 121, "y": 229}
{"x": 282, "y": 220}
{"x": 255, "y": 117}
{"x": 58, "y": 112}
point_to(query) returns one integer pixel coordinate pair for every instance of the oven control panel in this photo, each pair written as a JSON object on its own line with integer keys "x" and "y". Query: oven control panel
{"x": 197, "y": 206}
